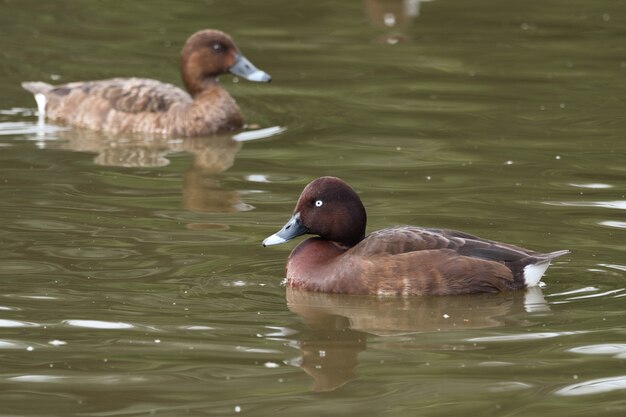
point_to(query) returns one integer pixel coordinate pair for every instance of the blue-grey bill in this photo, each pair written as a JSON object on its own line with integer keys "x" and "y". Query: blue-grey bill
{"x": 291, "y": 229}
{"x": 245, "y": 69}
{"x": 273, "y": 240}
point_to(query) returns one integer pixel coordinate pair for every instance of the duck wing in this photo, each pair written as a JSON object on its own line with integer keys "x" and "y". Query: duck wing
{"x": 439, "y": 261}
{"x": 137, "y": 95}
{"x": 404, "y": 239}
{"x": 128, "y": 95}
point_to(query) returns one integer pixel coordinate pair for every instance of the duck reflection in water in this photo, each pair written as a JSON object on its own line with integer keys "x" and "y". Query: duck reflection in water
{"x": 201, "y": 190}
{"x": 339, "y": 325}
{"x": 393, "y": 15}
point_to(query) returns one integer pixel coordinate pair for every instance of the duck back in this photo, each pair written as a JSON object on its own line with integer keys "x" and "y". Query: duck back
{"x": 138, "y": 105}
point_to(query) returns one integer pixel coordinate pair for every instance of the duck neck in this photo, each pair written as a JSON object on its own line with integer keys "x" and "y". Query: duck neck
{"x": 194, "y": 76}
{"x": 196, "y": 87}
{"x": 355, "y": 221}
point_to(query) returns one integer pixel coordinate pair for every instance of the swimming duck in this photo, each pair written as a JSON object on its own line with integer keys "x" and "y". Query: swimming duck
{"x": 401, "y": 260}
{"x": 139, "y": 105}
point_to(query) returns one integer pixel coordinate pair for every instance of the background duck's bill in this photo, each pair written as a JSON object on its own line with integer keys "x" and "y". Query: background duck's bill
{"x": 245, "y": 69}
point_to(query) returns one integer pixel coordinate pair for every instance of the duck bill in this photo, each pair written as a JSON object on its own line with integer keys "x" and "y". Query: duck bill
{"x": 244, "y": 68}
{"x": 292, "y": 229}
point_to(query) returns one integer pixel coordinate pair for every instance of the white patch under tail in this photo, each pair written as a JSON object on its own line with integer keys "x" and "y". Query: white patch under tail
{"x": 534, "y": 272}
{"x": 41, "y": 100}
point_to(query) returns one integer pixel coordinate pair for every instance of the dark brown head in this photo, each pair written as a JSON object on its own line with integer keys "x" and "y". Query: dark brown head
{"x": 209, "y": 53}
{"x": 327, "y": 207}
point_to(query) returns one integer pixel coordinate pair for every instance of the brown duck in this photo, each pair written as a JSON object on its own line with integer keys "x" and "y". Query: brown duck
{"x": 139, "y": 105}
{"x": 401, "y": 260}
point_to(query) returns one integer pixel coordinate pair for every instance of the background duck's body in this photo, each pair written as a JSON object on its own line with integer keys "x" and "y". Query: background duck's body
{"x": 139, "y": 105}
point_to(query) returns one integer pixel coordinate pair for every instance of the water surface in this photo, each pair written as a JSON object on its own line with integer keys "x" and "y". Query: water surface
{"x": 133, "y": 280}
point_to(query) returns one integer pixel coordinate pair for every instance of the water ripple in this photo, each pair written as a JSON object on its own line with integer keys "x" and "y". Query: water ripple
{"x": 600, "y": 294}
{"x": 259, "y": 133}
{"x": 5, "y": 344}
{"x": 37, "y": 378}
{"x": 576, "y": 291}
{"x": 618, "y": 204}
{"x": 99, "y": 380}
{"x": 588, "y": 293}
{"x": 26, "y": 267}
{"x": 98, "y": 324}
{"x": 17, "y": 128}
{"x": 506, "y": 386}
{"x": 613, "y": 223}
{"x": 16, "y": 323}
{"x": 86, "y": 252}
{"x": 616, "y": 349}
{"x": 29, "y": 128}
{"x": 614, "y": 266}
{"x": 522, "y": 337}
{"x": 594, "y": 186}
{"x": 594, "y": 386}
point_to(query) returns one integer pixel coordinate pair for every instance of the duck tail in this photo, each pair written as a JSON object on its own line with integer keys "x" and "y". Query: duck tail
{"x": 39, "y": 89}
{"x": 535, "y": 270}
{"x": 556, "y": 254}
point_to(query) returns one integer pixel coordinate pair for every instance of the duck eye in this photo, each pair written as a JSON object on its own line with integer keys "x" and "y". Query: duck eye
{"x": 319, "y": 203}
{"x": 218, "y": 47}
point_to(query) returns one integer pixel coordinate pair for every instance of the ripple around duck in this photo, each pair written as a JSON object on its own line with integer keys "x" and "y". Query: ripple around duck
{"x": 614, "y": 293}
{"x": 18, "y": 111}
{"x": 36, "y": 131}
{"x": 587, "y": 293}
{"x": 249, "y": 135}
{"x": 522, "y": 337}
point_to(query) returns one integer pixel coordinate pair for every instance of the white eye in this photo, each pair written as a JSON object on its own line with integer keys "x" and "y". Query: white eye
{"x": 319, "y": 203}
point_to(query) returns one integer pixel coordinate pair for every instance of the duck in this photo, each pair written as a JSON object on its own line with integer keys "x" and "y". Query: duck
{"x": 147, "y": 106}
{"x": 399, "y": 260}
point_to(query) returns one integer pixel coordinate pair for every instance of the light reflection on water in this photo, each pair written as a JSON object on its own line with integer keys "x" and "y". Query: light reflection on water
{"x": 98, "y": 324}
{"x": 594, "y": 386}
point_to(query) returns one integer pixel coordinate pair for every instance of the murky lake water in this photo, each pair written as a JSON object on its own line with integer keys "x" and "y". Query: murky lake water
{"x": 133, "y": 280}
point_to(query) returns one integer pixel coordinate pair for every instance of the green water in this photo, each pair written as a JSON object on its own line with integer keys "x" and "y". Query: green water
{"x": 133, "y": 280}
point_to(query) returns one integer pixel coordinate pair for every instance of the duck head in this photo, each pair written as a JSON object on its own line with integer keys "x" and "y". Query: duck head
{"x": 329, "y": 208}
{"x": 210, "y": 53}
